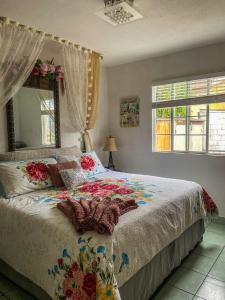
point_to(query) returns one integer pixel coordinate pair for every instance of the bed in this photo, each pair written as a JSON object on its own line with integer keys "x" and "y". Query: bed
{"x": 41, "y": 251}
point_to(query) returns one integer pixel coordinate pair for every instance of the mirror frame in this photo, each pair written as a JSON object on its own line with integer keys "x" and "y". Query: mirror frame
{"x": 37, "y": 83}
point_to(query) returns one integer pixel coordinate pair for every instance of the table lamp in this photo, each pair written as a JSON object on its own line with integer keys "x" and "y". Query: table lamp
{"x": 110, "y": 145}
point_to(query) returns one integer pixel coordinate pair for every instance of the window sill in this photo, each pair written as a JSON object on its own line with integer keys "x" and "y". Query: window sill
{"x": 190, "y": 153}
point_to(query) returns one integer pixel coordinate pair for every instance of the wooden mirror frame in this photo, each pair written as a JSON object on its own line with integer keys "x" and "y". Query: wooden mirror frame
{"x": 38, "y": 83}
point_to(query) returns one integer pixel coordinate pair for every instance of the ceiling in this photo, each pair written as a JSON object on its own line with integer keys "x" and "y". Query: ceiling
{"x": 168, "y": 25}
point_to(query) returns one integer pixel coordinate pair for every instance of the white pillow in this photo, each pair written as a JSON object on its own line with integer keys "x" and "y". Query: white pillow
{"x": 21, "y": 177}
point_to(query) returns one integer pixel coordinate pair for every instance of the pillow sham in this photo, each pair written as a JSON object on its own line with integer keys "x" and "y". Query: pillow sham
{"x": 21, "y": 177}
{"x": 54, "y": 169}
{"x": 73, "y": 177}
{"x": 89, "y": 162}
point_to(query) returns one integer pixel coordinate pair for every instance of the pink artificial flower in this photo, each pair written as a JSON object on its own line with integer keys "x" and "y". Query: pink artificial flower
{"x": 59, "y": 73}
{"x": 51, "y": 68}
{"x": 35, "y": 71}
{"x": 44, "y": 69}
{"x": 58, "y": 69}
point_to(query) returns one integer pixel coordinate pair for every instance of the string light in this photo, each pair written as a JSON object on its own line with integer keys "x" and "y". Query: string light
{"x": 7, "y": 21}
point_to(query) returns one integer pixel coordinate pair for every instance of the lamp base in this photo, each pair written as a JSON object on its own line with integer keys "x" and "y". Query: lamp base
{"x": 111, "y": 165}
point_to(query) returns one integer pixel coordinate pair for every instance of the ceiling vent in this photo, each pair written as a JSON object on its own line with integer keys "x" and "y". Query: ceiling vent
{"x": 117, "y": 12}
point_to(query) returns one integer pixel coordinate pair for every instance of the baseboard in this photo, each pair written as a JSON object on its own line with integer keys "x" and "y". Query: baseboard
{"x": 215, "y": 219}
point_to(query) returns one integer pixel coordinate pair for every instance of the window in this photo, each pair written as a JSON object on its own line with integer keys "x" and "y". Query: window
{"x": 48, "y": 121}
{"x": 189, "y": 116}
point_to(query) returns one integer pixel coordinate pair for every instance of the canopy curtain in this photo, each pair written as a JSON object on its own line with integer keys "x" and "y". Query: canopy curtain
{"x": 19, "y": 50}
{"x": 81, "y": 90}
{"x": 75, "y": 64}
{"x": 93, "y": 97}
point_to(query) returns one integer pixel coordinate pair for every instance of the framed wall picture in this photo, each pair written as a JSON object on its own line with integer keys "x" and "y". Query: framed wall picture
{"x": 129, "y": 112}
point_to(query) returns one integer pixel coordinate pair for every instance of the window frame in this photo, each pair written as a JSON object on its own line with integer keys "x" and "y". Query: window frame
{"x": 45, "y": 112}
{"x": 187, "y": 102}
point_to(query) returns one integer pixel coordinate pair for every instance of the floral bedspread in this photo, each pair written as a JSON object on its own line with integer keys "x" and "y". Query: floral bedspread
{"x": 125, "y": 188}
{"x": 39, "y": 242}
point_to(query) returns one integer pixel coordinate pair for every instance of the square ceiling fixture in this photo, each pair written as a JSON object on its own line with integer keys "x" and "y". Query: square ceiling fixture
{"x": 118, "y": 12}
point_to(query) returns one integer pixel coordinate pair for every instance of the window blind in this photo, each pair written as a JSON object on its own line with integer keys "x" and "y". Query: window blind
{"x": 190, "y": 92}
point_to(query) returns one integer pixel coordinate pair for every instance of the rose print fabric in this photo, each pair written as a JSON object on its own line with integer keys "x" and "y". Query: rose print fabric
{"x": 39, "y": 242}
{"x": 125, "y": 188}
{"x": 91, "y": 164}
{"x": 88, "y": 275}
{"x": 21, "y": 177}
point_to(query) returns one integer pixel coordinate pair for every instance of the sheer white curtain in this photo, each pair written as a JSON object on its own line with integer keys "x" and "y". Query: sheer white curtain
{"x": 19, "y": 50}
{"x": 75, "y": 64}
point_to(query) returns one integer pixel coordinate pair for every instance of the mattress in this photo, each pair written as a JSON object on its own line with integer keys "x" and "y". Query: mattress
{"x": 38, "y": 242}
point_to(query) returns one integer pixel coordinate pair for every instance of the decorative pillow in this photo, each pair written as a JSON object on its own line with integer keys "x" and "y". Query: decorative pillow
{"x": 21, "y": 177}
{"x": 73, "y": 177}
{"x": 54, "y": 169}
{"x": 89, "y": 163}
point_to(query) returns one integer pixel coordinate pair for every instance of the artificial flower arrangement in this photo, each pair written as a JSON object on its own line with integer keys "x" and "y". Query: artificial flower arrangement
{"x": 49, "y": 71}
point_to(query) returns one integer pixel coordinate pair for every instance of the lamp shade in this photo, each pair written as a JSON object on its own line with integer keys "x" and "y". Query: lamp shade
{"x": 110, "y": 144}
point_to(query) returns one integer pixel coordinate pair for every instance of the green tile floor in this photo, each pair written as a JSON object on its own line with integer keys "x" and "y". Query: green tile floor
{"x": 201, "y": 275}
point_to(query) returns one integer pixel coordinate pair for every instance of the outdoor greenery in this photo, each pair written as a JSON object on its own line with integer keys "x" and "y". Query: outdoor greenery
{"x": 165, "y": 113}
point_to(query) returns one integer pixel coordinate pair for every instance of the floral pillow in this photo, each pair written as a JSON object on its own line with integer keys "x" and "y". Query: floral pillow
{"x": 21, "y": 177}
{"x": 89, "y": 163}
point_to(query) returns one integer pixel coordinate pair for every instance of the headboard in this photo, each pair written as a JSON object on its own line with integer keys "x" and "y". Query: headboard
{"x": 39, "y": 153}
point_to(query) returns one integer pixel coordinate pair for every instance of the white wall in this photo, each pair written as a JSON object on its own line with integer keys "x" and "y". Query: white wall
{"x": 68, "y": 136}
{"x": 135, "y": 154}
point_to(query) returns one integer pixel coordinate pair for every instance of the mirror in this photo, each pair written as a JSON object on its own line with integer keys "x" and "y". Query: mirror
{"x": 33, "y": 118}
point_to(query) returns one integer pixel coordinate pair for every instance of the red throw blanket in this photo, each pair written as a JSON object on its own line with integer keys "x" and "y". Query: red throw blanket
{"x": 210, "y": 204}
{"x": 97, "y": 214}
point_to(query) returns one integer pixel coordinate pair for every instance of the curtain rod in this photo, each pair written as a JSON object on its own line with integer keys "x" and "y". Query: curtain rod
{"x": 49, "y": 36}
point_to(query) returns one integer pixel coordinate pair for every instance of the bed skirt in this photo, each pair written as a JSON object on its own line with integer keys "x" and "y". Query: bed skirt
{"x": 145, "y": 282}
